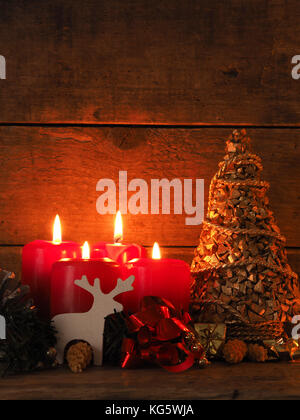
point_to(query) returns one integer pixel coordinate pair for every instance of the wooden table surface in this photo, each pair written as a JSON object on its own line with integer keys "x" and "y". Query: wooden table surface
{"x": 218, "y": 381}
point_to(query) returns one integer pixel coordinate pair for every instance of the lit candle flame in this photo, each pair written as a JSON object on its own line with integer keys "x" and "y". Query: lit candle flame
{"x": 57, "y": 230}
{"x": 86, "y": 251}
{"x": 156, "y": 252}
{"x": 118, "y": 235}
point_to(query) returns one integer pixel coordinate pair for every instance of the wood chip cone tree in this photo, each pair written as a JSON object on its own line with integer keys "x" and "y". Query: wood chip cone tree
{"x": 240, "y": 269}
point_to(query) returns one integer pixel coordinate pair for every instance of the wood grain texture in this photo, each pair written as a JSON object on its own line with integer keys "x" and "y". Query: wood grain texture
{"x": 218, "y": 382}
{"x": 11, "y": 257}
{"x": 45, "y": 171}
{"x": 164, "y": 61}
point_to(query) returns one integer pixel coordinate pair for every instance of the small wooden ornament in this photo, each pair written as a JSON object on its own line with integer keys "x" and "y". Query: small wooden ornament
{"x": 89, "y": 326}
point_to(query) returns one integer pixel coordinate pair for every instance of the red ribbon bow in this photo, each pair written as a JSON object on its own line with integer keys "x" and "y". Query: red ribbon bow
{"x": 160, "y": 336}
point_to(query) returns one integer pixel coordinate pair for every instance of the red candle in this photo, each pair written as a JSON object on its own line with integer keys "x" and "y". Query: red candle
{"x": 166, "y": 278}
{"x": 83, "y": 293}
{"x": 118, "y": 251}
{"x": 37, "y": 260}
{"x": 66, "y": 297}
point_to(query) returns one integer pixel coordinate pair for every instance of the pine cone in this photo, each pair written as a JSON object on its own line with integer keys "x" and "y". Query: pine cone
{"x": 257, "y": 353}
{"x": 234, "y": 351}
{"x": 79, "y": 356}
{"x": 28, "y": 338}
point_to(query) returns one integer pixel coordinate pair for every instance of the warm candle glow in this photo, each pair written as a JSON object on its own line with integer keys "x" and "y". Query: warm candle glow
{"x": 86, "y": 251}
{"x": 156, "y": 252}
{"x": 118, "y": 236}
{"x": 57, "y": 230}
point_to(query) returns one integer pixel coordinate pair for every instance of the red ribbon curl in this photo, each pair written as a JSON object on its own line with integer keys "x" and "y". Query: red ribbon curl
{"x": 161, "y": 336}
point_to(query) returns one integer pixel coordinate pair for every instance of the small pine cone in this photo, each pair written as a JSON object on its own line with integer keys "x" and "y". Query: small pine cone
{"x": 234, "y": 351}
{"x": 257, "y": 353}
{"x": 79, "y": 356}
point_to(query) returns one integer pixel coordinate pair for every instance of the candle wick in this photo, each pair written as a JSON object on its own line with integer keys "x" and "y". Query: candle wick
{"x": 118, "y": 239}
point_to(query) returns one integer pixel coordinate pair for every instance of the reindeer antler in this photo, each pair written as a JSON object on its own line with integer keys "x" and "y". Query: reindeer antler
{"x": 84, "y": 284}
{"x": 123, "y": 286}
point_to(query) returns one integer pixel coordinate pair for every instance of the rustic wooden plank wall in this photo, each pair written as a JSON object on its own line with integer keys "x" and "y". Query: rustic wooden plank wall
{"x": 56, "y": 170}
{"x": 159, "y": 61}
{"x": 153, "y": 88}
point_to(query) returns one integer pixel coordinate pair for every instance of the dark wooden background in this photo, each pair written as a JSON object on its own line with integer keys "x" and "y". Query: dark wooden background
{"x": 151, "y": 87}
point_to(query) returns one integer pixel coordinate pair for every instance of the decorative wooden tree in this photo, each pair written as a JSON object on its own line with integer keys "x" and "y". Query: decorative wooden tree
{"x": 240, "y": 265}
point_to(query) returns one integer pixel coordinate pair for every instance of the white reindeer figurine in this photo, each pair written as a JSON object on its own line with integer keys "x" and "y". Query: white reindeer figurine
{"x": 89, "y": 326}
